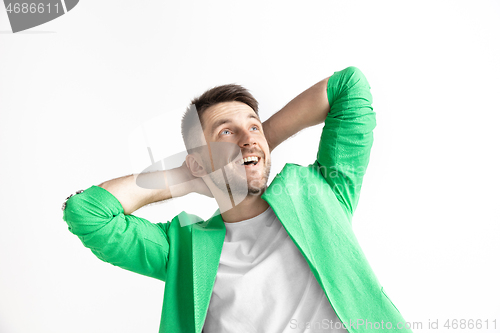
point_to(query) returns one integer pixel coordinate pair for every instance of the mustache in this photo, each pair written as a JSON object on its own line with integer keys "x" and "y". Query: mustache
{"x": 219, "y": 154}
{"x": 236, "y": 156}
{"x": 257, "y": 152}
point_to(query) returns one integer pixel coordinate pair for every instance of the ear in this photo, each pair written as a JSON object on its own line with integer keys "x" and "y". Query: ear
{"x": 193, "y": 163}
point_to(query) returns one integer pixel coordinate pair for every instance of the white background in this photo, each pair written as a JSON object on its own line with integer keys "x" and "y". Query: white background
{"x": 73, "y": 89}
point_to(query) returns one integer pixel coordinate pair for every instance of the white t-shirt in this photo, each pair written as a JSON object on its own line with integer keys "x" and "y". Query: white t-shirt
{"x": 264, "y": 284}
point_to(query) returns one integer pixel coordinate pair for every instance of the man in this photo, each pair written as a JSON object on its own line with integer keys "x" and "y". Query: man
{"x": 282, "y": 259}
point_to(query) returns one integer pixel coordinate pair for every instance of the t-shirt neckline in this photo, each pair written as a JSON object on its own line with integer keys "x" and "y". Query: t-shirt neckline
{"x": 261, "y": 217}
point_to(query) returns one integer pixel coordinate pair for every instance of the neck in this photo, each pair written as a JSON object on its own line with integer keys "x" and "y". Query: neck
{"x": 250, "y": 207}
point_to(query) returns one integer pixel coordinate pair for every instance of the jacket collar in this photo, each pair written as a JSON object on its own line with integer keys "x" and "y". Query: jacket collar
{"x": 283, "y": 206}
{"x": 207, "y": 241}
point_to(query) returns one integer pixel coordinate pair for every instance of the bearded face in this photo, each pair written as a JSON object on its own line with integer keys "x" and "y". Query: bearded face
{"x": 236, "y": 156}
{"x": 239, "y": 171}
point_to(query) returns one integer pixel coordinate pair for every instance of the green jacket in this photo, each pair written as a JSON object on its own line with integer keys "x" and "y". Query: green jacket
{"x": 315, "y": 204}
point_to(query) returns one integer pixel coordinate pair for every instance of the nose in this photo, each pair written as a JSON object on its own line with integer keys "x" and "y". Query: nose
{"x": 247, "y": 140}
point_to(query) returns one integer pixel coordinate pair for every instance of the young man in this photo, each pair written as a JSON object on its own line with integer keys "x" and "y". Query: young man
{"x": 282, "y": 258}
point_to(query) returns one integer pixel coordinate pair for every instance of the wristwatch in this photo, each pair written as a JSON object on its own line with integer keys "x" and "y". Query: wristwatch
{"x": 64, "y": 203}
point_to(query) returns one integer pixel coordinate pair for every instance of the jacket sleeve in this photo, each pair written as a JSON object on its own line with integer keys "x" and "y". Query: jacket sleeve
{"x": 347, "y": 136}
{"x": 127, "y": 241}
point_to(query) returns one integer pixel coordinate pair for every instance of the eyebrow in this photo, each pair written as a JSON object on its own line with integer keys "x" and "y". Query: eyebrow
{"x": 228, "y": 121}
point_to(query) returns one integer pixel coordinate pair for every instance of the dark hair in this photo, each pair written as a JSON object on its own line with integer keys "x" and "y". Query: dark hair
{"x": 216, "y": 95}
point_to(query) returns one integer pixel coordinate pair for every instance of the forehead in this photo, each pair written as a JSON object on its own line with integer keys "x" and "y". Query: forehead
{"x": 227, "y": 112}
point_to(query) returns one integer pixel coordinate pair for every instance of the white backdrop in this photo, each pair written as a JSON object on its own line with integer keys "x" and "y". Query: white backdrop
{"x": 72, "y": 90}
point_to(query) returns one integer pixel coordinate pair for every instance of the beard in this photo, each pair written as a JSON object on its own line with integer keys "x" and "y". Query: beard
{"x": 235, "y": 182}
{"x": 254, "y": 188}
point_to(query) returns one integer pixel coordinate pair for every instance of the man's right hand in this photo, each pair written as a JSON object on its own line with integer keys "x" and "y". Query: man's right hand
{"x": 192, "y": 184}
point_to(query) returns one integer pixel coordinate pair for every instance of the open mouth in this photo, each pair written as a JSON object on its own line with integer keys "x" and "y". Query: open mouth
{"x": 250, "y": 160}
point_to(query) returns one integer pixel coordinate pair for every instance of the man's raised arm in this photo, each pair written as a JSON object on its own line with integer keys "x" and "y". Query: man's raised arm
{"x": 135, "y": 191}
{"x": 343, "y": 101}
{"x": 307, "y": 109}
{"x": 101, "y": 217}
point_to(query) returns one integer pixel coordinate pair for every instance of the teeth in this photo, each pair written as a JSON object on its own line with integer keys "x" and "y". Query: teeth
{"x": 251, "y": 158}
{"x": 248, "y": 159}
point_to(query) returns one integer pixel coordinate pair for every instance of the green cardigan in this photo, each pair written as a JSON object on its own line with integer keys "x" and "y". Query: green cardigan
{"x": 315, "y": 204}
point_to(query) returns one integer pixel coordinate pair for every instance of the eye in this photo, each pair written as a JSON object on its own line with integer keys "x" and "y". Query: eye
{"x": 255, "y": 128}
{"x": 225, "y": 132}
